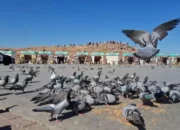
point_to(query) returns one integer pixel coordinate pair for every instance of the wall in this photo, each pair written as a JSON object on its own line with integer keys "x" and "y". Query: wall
{"x": 102, "y": 59}
{"x": 110, "y": 59}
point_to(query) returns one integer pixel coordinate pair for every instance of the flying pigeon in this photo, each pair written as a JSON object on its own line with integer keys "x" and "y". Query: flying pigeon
{"x": 148, "y": 42}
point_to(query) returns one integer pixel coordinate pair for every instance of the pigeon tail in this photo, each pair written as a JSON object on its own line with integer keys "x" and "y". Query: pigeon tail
{"x": 44, "y": 109}
{"x": 12, "y": 88}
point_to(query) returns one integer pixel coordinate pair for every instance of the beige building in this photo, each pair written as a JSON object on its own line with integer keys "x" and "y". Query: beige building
{"x": 112, "y": 58}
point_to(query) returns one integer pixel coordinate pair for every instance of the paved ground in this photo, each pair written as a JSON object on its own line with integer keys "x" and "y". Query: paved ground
{"x": 164, "y": 117}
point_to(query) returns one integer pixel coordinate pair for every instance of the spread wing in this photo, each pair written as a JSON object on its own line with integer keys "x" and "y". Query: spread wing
{"x": 138, "y": 36}
{"x": 161, "y": 31}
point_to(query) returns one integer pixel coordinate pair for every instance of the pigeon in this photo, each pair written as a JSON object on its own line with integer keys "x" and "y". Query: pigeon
{"x": 132, "y": 113}
{"x": 15, "y": 79}
{"x": 148, "y": 41}
{"x": 20, "y": 86}
{"x": 56, "y": 110}
{"x": 146, "y": 98}
{"x": 174, "y": 96}
{"x": 3, "y": 82}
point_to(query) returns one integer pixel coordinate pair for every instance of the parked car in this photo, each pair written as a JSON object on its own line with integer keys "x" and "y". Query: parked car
{"x": 6, "y": 60}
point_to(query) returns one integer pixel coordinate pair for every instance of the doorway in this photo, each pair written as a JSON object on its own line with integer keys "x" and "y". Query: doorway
{"x": 81, "y": 59}
{"x": 44, "y": 59}
{"x": 130, "y": 60}
{"x": 178, "y": 59}
{"x": 60, "y": 59}
{"x": 164, "y": 60}
{"x": 97, "y": 59}
{"x": 27, "y": 58}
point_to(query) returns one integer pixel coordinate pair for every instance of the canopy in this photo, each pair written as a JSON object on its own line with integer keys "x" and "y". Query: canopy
{"x": 82, "y": 53}
{"x": 128, "y": 54}
{"x": 160, "y": 54}
{"x": 29, "y": 52}
{"x": 173, "y": 55}
{"x": 97, "y": 54}
{"x": 45, "y": 53}
{"x": 8, "y": 52}
{"x": 112, "y": 54}
{"x": 61, "y": 53}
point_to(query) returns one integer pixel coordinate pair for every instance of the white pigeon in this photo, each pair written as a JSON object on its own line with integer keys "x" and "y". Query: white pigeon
{"x": 53, "y": 75}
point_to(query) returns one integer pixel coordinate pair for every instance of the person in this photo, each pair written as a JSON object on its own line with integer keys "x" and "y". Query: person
{"x": 141, "y": 62}
{"x": 168, "y": 61}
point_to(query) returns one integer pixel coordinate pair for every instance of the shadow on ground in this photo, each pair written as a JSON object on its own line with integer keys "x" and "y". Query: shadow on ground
{"x": 7, "y": 109}
{"x": 70, "y": 114}
{"x": 25, "y": 92}
{"x": 5, "y": 94}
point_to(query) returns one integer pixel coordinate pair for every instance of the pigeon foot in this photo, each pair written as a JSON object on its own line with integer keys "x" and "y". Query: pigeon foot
{"x": 81, "y": 114}
{"x": 124, "y": 120}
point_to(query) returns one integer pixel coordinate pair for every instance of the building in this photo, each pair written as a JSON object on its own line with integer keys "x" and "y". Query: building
{"x": 45, "y": 57}
{"x": 81, "y": 57}
{"x": 28, "y": 56}
{"x": 97, "y": 57}
{"x": 9, "y": 53}
{"x": 61, "y": 57}
{"x": 112, "y": 58}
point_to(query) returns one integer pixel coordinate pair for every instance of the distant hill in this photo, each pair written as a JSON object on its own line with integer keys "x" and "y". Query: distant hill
{"x": 107, "y": 47}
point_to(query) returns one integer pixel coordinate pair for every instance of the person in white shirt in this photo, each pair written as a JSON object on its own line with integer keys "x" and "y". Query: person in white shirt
{"x": 141, "y": 62}
{"x": 168, "y": 61}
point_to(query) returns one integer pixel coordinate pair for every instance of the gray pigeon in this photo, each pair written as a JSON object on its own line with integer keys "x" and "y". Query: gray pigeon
{"x": 132, "y": 113}
{"x": 174, "y": 96}
{"x": 149, "y": 41}
{"x": 56, "y": 110}
{"x": 54, "y": 99}
{"x": 20, "y": 86}
{"x": 15, "y": 79}
{"x": 3, "y": 82}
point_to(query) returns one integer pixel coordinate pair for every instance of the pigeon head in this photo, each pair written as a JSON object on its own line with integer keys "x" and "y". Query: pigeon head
{"x": 6, "y": 78}
{"x": 74, "y": 74}
{"x": 137, "y": 79}
{"x": 27, "y": 79}
{"x": 164, "y": 83}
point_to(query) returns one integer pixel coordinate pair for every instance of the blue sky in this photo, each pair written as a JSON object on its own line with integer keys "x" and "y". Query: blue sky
{"x": 26, "y": 23}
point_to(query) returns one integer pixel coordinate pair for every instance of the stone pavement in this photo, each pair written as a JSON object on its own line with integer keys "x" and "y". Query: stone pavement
{"x": 9, "y": 121}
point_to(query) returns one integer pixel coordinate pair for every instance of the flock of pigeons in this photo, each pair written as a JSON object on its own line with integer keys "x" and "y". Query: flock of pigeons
{"x": 79, "y": 92}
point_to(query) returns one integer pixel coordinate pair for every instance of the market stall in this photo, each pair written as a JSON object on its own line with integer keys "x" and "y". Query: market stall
{"x": 97, "y": 57}
{"x": 61, "y": 57}
{"x": 175, "y": 58}
{"x": 28, "y": 57}
{"x": 160, "y": 57}
{"x": 9, "y": 53}
{"x": 81, "y": 57}
{"x": 45, "y": 57}
{"x": 112, "y": 58}
{"x": 126, "y": 56}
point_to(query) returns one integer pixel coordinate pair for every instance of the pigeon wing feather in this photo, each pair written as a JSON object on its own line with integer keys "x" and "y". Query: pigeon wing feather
{"x": 138, "y": 36}
{"x": 161, "y": 31}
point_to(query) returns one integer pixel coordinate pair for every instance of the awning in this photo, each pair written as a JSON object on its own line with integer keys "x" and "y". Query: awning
{"x": 7, "y": 52}
{"x": 128, "y": 54}
{"x": 97, "y": 54}
{"x": 112, "y": 54}
{"x": 29, "y": 52}
{"x": 173, "y": 55}
{"x": 45, "y": 53}
{"x": 81, "y": 53}
{"x": 61, "y": 53}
